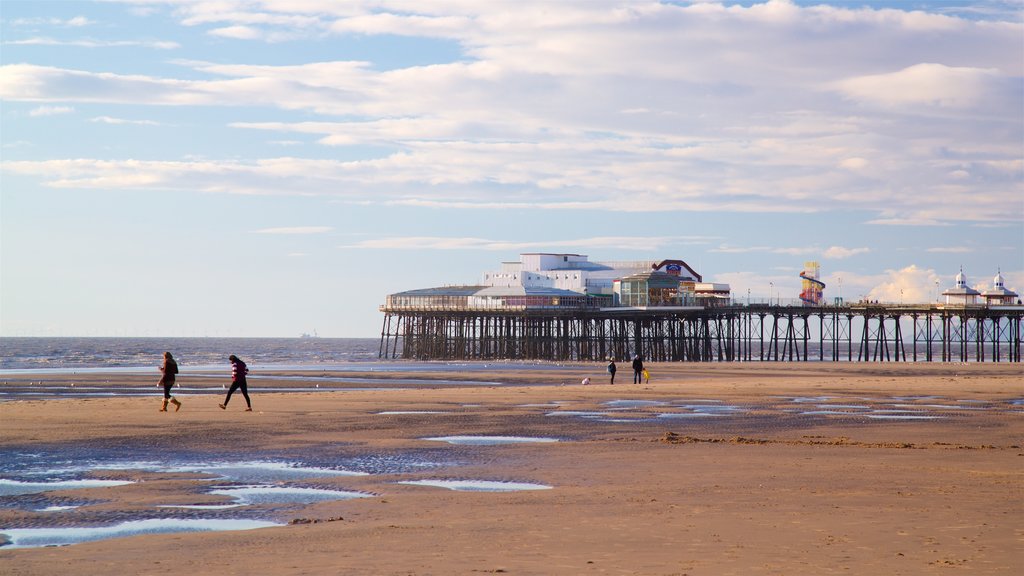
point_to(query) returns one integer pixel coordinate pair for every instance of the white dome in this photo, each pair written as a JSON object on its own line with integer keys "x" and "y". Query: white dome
{"x": 961, "y": 280}
{"x": 998, "y": 280}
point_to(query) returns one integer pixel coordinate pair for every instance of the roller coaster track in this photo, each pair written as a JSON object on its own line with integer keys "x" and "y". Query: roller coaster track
{"x": 811, "y": 296}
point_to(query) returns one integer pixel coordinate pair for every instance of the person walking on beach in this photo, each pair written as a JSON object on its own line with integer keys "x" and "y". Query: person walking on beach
{"x": 238, "y": 372}
{"x": 612, "y": 369}
{"x": 638, "y": 369}
{"x": 170, "y": 370}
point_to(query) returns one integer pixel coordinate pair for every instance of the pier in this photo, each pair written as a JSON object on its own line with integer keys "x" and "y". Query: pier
{"x": 730, "y": 332}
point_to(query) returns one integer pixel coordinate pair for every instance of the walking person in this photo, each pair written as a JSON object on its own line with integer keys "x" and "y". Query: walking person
{"x": 238, "y": 372}
{"x": 169, "y": 369}
{"x": 612, "y": 369}
{"x": 638, "y": 369}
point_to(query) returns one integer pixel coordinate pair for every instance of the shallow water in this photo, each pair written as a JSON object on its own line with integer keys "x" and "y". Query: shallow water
{"x": 266, "y": 494}
{"x": 36, "y": 537}
{"x": 490, "y": 440}
{"x": 478, "y": 485}
{"x": 16, "y": 487}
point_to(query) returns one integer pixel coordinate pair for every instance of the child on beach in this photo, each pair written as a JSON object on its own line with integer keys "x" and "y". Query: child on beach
{"x": 238, "y": 372}
{"x": 170, "y": 370}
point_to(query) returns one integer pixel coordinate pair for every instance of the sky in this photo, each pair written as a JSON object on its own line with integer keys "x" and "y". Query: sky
{"x": 277, "y": 167}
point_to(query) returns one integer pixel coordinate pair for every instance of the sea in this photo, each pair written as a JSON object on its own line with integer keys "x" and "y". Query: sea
{"x": 18, "y": 354}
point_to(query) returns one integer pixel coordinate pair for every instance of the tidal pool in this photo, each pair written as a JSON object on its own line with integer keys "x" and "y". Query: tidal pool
{"x": 247, "y": 495}
{"x": 36, "y": 537}
{"x": 478, "y": 485}
{"x": 489, "y": 440}
{"x": 17, "y": 487}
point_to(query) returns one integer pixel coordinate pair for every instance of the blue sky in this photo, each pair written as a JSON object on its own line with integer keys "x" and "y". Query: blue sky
{"x": 268, "y": 168}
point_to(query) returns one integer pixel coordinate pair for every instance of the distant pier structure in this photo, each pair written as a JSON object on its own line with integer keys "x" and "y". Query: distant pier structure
{"x": 563, "y": 307}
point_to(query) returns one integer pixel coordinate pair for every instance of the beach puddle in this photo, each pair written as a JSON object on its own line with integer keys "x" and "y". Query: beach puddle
{"x": 17, "y": 487}
{"x": 479, "y": 485}
{"x": 717, "y": 409}
{"x": 809, "y": 399}
{"x": 248, "y": 495}
{"x": 201, "y": 506}
{"x": 57, "y": 508}
{"x": 577, "y": 413}
{"x": 404, "y": 412}
{"x": 37, "y": 537}
{"x": 902, "y": 417}
{"x": 830, "y": 413}
{"x": 489, "y": 440}
{"x": 632, "y": 404}
{"x": 940, "y": 406}
{"x": 262, "y": 471}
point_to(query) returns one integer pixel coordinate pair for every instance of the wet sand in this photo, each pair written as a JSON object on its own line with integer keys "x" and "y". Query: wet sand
{"x": 796, "y": 479}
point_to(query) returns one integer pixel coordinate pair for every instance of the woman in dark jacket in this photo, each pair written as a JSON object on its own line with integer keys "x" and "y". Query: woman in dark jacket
{"x": 170, "y": 370}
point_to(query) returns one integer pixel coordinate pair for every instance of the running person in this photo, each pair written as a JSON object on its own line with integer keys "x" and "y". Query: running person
{"x": 170, "y": 370}
{"x": 238, "y": 372}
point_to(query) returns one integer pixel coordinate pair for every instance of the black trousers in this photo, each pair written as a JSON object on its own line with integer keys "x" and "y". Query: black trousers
{"x": 245, "y": 392}
{"x": 168, "y": 384}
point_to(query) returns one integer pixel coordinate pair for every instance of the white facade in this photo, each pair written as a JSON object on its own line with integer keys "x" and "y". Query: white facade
{"x": 998, "y": 293}
{"x": 562, "y": 272}
{"x": 961, "y": 294}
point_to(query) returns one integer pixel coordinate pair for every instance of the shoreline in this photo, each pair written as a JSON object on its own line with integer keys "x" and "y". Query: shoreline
{"x": 737, "y": 480}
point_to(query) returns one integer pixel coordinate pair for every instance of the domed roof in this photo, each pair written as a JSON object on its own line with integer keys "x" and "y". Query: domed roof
{"x": 961, "y": 279}
{"x": 998, "y": 280}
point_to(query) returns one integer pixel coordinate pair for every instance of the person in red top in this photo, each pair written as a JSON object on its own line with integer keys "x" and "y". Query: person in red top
{"x": 238, "y": 372}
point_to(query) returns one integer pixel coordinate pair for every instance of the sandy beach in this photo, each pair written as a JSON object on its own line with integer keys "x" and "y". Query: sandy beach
{"x": 708, "y": 469}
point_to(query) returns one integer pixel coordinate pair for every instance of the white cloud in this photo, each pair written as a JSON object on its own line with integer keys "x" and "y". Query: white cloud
{"x": 832, "y": 252}
{"x": 930, "y": 85}
{"x": 635, "y": 243}
{"x": 839, "y": 252}
{"x": 112, "y": 120}
{"x": 237, "y": 32}
{"x": 296, "y": 230}
{"x": 50, "y": 110}
{"x": 906, "y": 222}
{"x": 853, "y": 163}
{"x": 908, "y": 285}
{"x": 580, "y": 105}
{"x": 75, "y": 22}
{"x": 86, "y": 43}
